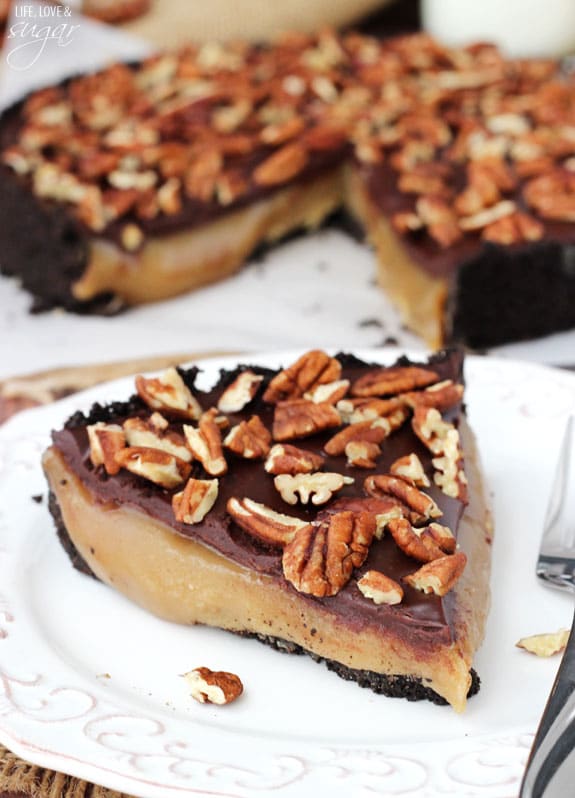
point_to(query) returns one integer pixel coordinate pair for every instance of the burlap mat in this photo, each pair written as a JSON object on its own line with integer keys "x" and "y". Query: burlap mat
{"x": 19, "y": 779}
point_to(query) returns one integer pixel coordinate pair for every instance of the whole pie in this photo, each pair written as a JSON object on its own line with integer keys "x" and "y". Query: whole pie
{"x": 143, "y": 181}
{"x": 334, "y": 507}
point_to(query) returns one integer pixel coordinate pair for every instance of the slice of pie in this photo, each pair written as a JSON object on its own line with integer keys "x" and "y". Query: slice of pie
{"x": 334, "y": 508}
{"x": 143, "y": 181}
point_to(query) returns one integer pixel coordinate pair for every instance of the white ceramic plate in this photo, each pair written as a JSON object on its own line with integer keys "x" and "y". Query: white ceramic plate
{"x": 90, "y": 684}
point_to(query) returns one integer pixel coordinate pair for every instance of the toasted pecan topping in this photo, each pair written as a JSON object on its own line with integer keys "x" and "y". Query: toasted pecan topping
{"x": 421, "y": 505}
{"x": 240, "y": 393}
{"x": 300, "y": 418}
{"x": 318, "y": 487}
{"x": 387, "y": 381}
{"x": 438, "y": 576}
{"x": 320, "y": 559}
{"x": 263, "y": 522}
{"x": 160, "y": 467}
{"x": 311, "y": 370}
{"x": 250, "y": 439}
{"x": 381, "y": 589}
{"x": 151, "y": 433}
{"x": 105, "y": 441}
{"x": 168, "y": 393}
{"x": 196, "y": 500}
{"x": 205, "y": 443}
{"x": 283, "y": 458}
{"x": 410, "y": 469}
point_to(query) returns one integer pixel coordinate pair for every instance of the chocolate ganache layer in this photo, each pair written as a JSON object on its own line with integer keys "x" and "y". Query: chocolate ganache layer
{"x": 428, "y": 618}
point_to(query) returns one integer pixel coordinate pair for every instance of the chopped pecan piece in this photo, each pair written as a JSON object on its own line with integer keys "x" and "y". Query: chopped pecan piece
{"x": 170, "y": 394}
{"x": 192, "y": 504}
{"x": 329, "y": 392}
{"x": 213, "y": 687}
{"x": 410, "y": 469}
{"x": 383, "y": 509}
{"x": 105, "y": 441}
{"x": 307, "y": 373}
{"x": 249, "y": 439}
{"x": 419, "y": 546}
{"x": 380, "y": 588}
{"x": 421, "y": 505}
{"x": 284, "y": 458}
{"x": 442, "y": 395}
{"x": 205, "y": 443}
{"x": 320, "y": 559}
{"x": 442, "y": 439}
{"x": 263, "y": 522}
{"x": 375, "y": 431}
{"x": 430, "y": 427}
{"x": 319, "y": 487}
{"x": 281, "y": 166}
{"x": 393, "y": 380}
{"x": 546, "y": 644}
{"x": 300, "y": 418}
{"x": 160, "y": 467}
{"x": 148, "y": 433}
{"x": 362, "y": 454}
{"x": 365, "y": 409}
{"x": 240, "y": 393}
{"x": 485, "y": 217}
{"x": 438, "y": 576}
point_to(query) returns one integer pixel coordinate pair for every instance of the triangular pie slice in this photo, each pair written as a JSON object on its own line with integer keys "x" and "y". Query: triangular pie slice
{"x": 333, "y": 507}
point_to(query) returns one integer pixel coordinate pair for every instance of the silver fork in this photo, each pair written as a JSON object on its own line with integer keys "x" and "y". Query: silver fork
{"x": 555, "y": 737}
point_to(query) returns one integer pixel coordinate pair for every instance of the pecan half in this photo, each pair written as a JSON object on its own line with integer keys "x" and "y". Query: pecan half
{"x": 213, "y": 687}
{"x": 329, "y": 392}
{"x": 249, "y": 439}
{"x": 319, "y": 487}
{"x": 106, "y": 440}
{"x": 263, "y": 522}
{"x": 284, "y": 458}
{"x": 438, "y": 576}
{"x": 442, "y": 395}
{"x": 300, "y": 418}
{"x": 381, "y": 589}
{"x": 421, "y": 505}
{"x": 240, "y": 393}
{"x": 393, "y": 380}
{"x": 160, "y": 467}
{"x": 307, "y": 373}
{"x": 205, "y": 443}
{"x": 170, "y": 394}
{"x": 148, "y": 433}
{"x": 191, "y": 505}
{"x": 320, "y": 559}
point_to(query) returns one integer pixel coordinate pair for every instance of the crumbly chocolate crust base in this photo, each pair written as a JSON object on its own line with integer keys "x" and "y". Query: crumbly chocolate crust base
{"x": 391, "y": 686}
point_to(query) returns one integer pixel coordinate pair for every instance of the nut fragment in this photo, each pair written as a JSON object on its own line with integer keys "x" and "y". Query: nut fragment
{"x": 410, "y": 469}
{"x": 421, "y": 505}
{"x": 319, "y": 487}
{"x": 320, "y": 559}
{"x": 442, "y": 395}
{"x": 329, "y": 392}
{"x": 169, "y": 393}
{"x": 160, "y": 467}
{"x": 362, "y": 454}
{"x": 300, "y": 418}
{"x": 140, "y": 432}
{"x": 380, "y": 588}
{"x": 105, "y": 441}
{"x": 438, "y": 576}
{"x": 196, "y": 500}
{"x": 312, "y": 369}
{"x": 240, "y": 393}
{"x": 430, "y": 428}
{"x": 263, "y": 522}
{"x": 393, "y": 380}
{"x": 205, "y": 443}
{"x": 545, "y": 645}
{"x": 213, "y": 687}
{"x": 375, "y": 431}
{"x": 283, "y": 458}
{"x": 365, "y": 409}
{"x": 442, "y": 438}
{"x": 249, "y": 439}
{"x": 419, "y": 546}
{"x": 281, "y": 166}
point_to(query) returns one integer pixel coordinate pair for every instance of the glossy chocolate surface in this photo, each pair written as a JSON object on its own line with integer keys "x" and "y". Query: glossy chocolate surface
{"x": 427, "y": 617}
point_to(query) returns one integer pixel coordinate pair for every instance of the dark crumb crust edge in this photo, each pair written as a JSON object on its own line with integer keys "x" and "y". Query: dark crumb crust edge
{"x": 411, "y": 688}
